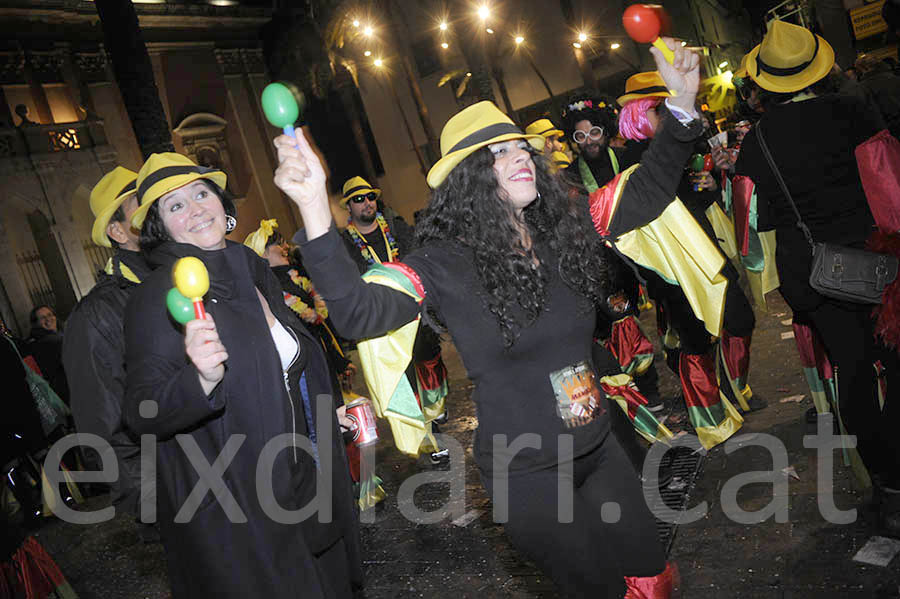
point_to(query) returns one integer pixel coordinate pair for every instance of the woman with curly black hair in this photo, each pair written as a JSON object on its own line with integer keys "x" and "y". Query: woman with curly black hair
{"x": 510, "y": 264}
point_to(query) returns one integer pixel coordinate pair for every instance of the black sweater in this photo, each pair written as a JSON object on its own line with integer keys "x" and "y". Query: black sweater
{"x": 513, "y": 391}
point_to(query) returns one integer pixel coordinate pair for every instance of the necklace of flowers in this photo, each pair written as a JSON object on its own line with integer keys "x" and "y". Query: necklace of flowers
{"x": 370, "y": 255}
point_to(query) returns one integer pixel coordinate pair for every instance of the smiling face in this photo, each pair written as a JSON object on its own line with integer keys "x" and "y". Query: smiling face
{"x": 194, "y": 214}
{"x": 515, "y": 172}
{"x": 591, "y": 146}
{"x": 364, "y": 212}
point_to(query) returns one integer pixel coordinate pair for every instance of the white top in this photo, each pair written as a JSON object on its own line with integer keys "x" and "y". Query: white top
{"x": 284, "y": 343}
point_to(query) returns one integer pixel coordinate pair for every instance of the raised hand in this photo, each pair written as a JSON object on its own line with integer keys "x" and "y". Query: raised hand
{"x": 300, "y": 175}
{"x": 205, "y": 351}
{"x": 682, "y": 76}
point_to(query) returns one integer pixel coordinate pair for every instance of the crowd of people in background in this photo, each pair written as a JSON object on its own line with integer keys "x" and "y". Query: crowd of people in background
{"x": 529, "y": 257}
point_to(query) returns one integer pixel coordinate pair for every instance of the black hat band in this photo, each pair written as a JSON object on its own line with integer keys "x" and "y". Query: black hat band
{"x": 485, "y": 134}
{"x": 128, "y": 188}
{"x": 786, "y": 72}
{"x": 349, "y": 192}
{"x": 171, "y": 171}
{"x": 653, "y": 89}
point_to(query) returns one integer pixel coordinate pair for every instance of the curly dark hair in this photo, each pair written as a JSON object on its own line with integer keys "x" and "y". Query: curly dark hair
{"x": 469, "y": 208}
{"x": 602, "y": 116}
{"x": 153, "y": 231}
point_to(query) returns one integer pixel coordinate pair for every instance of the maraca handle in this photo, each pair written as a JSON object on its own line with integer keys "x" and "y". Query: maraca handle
{"x": 662, "y": 47}
{"x": 289, "y": 130}
{"x": 199, "y": 309}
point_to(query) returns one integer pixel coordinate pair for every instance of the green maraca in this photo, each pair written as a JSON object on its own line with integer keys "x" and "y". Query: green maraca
{"x": 281, "y": 103}
{"x": 180, "y": 307}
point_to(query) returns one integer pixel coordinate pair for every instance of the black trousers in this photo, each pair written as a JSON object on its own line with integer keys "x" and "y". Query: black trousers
{"x": 846, "y": 330}
{"x": 586, "y": 557}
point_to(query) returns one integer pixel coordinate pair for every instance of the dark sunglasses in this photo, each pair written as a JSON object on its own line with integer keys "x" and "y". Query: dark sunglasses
{"x": 371, "y": 196}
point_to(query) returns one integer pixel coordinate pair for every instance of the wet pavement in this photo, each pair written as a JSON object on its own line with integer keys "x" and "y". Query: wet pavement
{"x": 466, "y": 555}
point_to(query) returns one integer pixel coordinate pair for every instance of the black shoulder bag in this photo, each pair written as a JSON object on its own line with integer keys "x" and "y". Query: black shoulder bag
{"x": 838, "y": 271}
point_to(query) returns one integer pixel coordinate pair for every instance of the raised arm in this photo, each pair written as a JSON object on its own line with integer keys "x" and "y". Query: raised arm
{"x": 357, "y": 309}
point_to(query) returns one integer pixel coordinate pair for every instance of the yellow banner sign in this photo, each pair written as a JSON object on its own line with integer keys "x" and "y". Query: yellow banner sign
{"x": 867, "y": 20}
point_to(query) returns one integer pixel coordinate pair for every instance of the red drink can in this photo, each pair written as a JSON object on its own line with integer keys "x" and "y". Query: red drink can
{"x": 362, "y": 416}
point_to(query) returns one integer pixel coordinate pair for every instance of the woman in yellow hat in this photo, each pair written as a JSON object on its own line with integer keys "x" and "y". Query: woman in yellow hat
{"x": 813, "y": 141}
{"x": 512, "y": 266}
{"x": 237, "y": 390}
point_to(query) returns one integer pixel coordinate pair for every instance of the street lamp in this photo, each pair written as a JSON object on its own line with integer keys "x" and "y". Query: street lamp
{"x": 443, "y": 26}
{"x": 484, "y": 12}
{"x": 378, "y": 63}
{"x": 576, "y": 45}
{"x": 445, "y": 45}
{"x": 519, "y": 40}
{"x": 367, "y": 53}
{"x": 582, "y": 37}
{"x": 356, "y": 23}
{"x": 368, "y": 31}
{"x": 614, "y": 46}
{"x": 489, "y": 30}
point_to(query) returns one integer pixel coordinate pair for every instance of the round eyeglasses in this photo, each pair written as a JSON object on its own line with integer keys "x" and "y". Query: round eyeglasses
{"x": 580, "y": 136}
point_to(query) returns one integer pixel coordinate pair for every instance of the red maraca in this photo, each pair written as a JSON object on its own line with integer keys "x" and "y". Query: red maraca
{"x": 644, "y": 22}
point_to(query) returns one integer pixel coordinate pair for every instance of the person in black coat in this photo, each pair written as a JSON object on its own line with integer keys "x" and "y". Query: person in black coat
{"x": 513, "y": 266}
{"x": 812, "y": 139}
{"x": 241, "y": 385}
{"x": 94, "y": 347}
{"x": 44, "y": 343}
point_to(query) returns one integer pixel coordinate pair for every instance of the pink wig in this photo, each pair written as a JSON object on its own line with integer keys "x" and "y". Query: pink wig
{"x": 633, "y": 121}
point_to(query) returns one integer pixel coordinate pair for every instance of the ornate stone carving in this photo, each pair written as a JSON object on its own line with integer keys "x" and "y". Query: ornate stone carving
{"x": 12, "y": 67}
{"x": 230, "y": 61}
{"x": 254, "y": 63}
{"x": 91, "y": 66}
{"x": 46, "y": 65}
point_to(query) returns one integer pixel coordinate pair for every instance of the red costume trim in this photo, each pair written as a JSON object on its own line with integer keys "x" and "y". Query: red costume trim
{"x": 410, "y": 274}
{"x": 602, "y": 204}
{"x": 741, "y": 195}
{"x": 660, "y": 586}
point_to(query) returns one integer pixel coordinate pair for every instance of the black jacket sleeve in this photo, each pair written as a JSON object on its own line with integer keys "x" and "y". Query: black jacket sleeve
{"x": 652, "y": 186}
{"x": 159, "y": 371}
{"x": 358, "y": 310}
{"x": 95, "y": 367}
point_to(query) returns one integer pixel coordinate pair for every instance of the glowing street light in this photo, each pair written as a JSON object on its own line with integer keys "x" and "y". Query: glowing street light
{"x": 484, "y": 12}
{"x": 356, "y": 23}
{"x": 445, "y": 45}
{"x": 582, "y": 37}
{"x": 576, "y": 45}
{"x": 378, "y": 63}
{"x": 468, "y": 74}
{"x": 615, "y": 46}
{"x": 367, "y": 53}
{"x": 443, "y": 26}
{"x": 368, "y": 31}
{"x": 489, "y": 30}
{"x": 519, "y": 39}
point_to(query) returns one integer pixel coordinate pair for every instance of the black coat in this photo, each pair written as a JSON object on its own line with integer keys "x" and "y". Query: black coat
{"x": 94, "y": 358}
{"x": 20, "y": 426}
{"x": 46, "y": 348}
{"x": 403, "y": 234}
{"x": 210, "y": 556}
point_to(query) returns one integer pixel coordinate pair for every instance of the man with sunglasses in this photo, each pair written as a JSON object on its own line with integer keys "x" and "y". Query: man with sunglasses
{"x": 373, "y": 238}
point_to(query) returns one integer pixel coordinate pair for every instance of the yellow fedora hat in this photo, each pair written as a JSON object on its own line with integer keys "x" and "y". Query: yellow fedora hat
{"x": 473, "y": 128}
{"x": 357, "y": 186}
{"x": 107, "y": 195}
{"x": 741, "y": 72}
{"x": 164, "y": 172}
{"x": 543, "y": 127}
{"x": 648, "y": 84}
{"x": 790, "y": 58}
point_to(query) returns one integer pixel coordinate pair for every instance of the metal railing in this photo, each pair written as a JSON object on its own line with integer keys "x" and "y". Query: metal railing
{"x": 96, "y": 255}
{"x": 34, "y": 273}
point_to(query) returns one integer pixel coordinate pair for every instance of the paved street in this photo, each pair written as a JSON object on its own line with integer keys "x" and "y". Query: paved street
{"x": 804, "y": 557}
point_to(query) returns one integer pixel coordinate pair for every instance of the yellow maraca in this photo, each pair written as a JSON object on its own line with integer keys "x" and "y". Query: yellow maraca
{"x": 192, "y": 281}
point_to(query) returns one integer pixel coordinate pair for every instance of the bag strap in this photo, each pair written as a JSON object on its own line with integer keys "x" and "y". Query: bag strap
{"x": 784, "y": 188}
